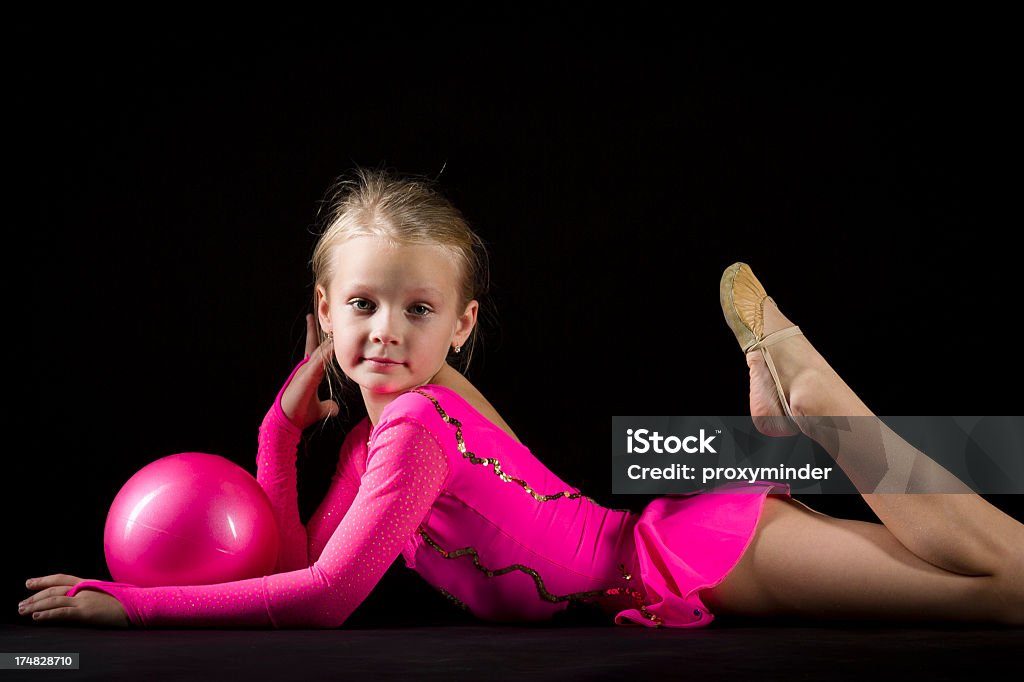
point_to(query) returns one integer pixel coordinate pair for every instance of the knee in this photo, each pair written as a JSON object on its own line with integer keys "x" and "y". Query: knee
{"x": 999, "y": 597}
{"x": 1008, "y": 592}
{"x": 774, "y": 504}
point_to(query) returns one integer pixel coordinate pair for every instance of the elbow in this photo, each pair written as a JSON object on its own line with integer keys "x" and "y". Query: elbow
{"x": 327, "y": 619}
{"x": 315, "y": 619}
{"x": 327, "y": 609}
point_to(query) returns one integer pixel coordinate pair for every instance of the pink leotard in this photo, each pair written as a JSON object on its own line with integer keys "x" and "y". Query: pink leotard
{"x": 477, "y": 515}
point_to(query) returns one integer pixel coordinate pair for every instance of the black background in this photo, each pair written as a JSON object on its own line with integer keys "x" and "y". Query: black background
{"x": 167, "y": 176}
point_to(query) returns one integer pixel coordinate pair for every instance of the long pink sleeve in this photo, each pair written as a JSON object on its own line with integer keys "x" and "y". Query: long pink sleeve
{"x": 406, "y": 469}
{"x": 276, "y": 473}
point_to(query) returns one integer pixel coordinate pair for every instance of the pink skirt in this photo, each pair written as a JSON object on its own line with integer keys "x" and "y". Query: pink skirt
{"x": 686, "y": 543}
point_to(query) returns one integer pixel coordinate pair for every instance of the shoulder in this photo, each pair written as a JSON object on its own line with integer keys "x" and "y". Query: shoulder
{"x": 420, "y": 404}
{"x": 414, "y": 413}
{"x": 409, "y": 438}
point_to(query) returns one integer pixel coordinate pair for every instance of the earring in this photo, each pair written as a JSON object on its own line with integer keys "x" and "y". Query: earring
{"x": 330, "y": 335}
{"x": 457, "y": 348}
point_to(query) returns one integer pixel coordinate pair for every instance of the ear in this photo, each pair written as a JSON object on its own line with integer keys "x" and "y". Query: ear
{"x": 466, "y": 322}
{"x": 323, "y": 309}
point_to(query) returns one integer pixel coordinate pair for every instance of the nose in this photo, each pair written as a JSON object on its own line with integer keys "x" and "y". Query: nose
{"x": 384, "y": 332}
{"x": 384, "y": 338}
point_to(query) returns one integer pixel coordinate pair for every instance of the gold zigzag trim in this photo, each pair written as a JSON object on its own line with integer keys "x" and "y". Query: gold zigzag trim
{"x": 496, "y": 464}
{"x": 636, "y": 595}
{"x": 458, "y": 602}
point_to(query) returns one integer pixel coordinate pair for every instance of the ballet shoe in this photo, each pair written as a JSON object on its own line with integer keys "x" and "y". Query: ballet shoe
{"x": 742, "y": 297}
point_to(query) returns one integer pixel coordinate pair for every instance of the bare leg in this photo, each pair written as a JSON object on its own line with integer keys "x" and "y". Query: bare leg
{"x": 960, "y": 533}
{"x": 808, "y": 565}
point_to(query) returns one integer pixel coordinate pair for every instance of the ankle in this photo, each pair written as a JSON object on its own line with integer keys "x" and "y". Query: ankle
{"x": 810, "y": 398}
{"x": 818, "y": 395}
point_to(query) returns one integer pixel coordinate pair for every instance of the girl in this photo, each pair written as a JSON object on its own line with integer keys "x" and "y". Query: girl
{"x": 435, "y": 474}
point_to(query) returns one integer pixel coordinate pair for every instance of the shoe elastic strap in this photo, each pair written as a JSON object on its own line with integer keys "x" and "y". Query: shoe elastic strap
{"x": 775, "y": 337}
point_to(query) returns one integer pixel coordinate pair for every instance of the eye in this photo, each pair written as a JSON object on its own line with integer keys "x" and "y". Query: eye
{"x": 421, "y": 310}
{"x": 356, "y": 303}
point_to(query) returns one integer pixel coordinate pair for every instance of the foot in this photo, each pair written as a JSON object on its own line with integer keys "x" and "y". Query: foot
{"x": 800, "y": 369}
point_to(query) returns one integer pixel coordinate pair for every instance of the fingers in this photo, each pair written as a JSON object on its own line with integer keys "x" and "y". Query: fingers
{"x": 322, "y": 354}
{"x": 51, "y": 588}
{"x": 311, "y": 336}
{"x": 329, "y": 408}
{"x": 50, "y": 580}
{"x": 312, "y": 345}
{"x": 49, "y": 608}
{"x": 89, "y": 606}
{"x": 312, "y": 374}
{"x": 299, "y": 399}
{"x": 56, "y": 590}
{"x": 327, "y": 348}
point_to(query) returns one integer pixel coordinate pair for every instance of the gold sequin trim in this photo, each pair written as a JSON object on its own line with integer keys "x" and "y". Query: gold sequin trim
{"x": 636, "y": 595}
{"x": 496, "y": 464}
{"x": 458, "y": 602}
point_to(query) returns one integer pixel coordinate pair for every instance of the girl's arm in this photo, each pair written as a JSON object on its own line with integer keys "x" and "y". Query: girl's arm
{"x": 276, "y": 473}
{"x": 406, "y": 470}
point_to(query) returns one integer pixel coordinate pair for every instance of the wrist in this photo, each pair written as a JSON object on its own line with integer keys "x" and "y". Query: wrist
{"x": 278, "y": 418}
{"x": 278, "y": 411}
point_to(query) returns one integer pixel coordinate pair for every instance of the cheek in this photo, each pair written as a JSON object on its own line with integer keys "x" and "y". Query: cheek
{"x": 344, "y": 346}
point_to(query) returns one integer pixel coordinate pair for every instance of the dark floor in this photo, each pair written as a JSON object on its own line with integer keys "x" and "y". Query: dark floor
{"x": 474, "y": 652}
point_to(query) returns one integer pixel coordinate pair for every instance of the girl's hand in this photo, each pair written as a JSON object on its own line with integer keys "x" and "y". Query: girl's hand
{"x": 299, "y": 401}
{"x": 88, "y": 606}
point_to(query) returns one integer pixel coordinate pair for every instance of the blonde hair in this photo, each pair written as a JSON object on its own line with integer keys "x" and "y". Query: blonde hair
{"x": 406, "y": 210}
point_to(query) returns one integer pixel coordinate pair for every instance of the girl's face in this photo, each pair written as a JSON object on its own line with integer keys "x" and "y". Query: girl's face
{"x": 394, "y": 311}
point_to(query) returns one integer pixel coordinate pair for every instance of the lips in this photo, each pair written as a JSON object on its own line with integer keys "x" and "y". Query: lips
{"x": 383, "y": 361}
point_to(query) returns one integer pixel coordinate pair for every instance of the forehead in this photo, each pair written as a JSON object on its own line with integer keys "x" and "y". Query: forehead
{"x": 376, "y": 262}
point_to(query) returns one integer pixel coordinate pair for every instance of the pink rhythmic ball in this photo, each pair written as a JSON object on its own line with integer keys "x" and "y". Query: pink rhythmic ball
{"x": 190, "y": 519}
